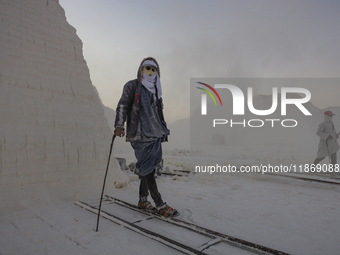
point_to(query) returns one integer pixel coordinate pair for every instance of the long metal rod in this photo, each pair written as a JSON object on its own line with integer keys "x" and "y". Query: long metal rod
{"x": 107, "y": 168}
{"x": 243, "y": 244}
{"x": 143, "y": 231}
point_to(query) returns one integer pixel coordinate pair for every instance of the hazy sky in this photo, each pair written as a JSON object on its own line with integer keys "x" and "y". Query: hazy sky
{"x": 206, "y": 39}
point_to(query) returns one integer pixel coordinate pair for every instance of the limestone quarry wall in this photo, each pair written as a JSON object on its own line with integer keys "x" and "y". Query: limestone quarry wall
{"x": 52, "y": 124}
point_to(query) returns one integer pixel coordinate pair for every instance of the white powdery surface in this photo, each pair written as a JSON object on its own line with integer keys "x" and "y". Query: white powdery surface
{"x": 53, "y": 129}
{"x": 293, "y": 216}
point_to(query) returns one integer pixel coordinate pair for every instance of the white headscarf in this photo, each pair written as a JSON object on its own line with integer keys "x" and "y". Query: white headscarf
{"x": 151, "y": 82}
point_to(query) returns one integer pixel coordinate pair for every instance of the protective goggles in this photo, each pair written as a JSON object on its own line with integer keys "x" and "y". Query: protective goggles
{"x": 154, "y": 69}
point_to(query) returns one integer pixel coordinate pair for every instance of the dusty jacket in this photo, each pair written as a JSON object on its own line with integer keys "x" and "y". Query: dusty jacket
{"x": 325, "y": 129}
{"x": 128, "y": 109}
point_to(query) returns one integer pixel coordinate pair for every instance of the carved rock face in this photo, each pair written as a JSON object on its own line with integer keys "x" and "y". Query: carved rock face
{"x": 53, "y": 127}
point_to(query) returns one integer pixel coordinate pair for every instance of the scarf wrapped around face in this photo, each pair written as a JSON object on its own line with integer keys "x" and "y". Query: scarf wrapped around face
{"x": 328, "y": 118}
{"x": 151, "y": 82}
